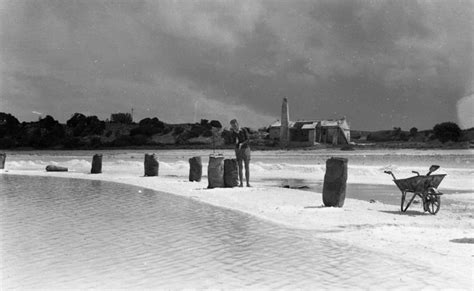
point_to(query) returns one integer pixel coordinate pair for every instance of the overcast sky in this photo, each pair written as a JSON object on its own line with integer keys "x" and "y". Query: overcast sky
{"x": 379, "y": 63}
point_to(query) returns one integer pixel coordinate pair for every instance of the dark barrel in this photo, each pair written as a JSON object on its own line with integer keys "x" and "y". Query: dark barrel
{"x": 53, "y": 168}
{"x": 3, "y": 157}
{"x": 334, "y": 188}
{"x": 151, "y": 165}
{"x": 215, "y": 171}
{"x": 195, "y": 169}
{"x": 96, "y": 164}
{"x": 231, "y": 173}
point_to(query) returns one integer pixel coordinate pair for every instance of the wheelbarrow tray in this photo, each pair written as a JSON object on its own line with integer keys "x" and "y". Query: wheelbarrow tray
{"x": 419, "y": 183}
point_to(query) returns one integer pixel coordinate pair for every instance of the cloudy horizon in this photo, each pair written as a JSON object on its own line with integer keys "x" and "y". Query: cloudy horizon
{"x": 382, "y": 64}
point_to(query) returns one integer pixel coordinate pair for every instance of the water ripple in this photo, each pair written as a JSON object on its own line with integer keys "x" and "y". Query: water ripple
{"x": 70, "y": 233}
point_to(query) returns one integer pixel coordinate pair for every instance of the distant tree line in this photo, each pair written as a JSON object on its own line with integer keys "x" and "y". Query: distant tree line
{"x": 81, "y": 131}
{"x": 444, "y": 132}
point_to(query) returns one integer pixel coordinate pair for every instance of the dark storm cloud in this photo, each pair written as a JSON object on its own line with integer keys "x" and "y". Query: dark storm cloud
{"x": 380, "y": 63}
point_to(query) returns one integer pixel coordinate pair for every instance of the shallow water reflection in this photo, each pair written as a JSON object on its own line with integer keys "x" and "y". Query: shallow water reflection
{"x": 70, "y": 233}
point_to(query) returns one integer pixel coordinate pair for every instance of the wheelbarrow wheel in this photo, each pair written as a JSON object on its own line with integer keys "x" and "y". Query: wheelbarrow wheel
{"x": 432, "y": 203}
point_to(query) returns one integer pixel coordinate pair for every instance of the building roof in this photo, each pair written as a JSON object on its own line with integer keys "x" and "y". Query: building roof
{"x": 329, "y": 123}
{"x": 278, "y": 124}
{"x": 310, "y": 125}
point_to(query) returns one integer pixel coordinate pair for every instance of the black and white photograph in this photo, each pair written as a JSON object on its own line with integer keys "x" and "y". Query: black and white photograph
{"x": 236, "y": 144}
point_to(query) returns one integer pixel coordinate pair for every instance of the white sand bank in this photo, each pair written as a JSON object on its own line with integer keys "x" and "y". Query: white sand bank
{"x": 429, "y": 240}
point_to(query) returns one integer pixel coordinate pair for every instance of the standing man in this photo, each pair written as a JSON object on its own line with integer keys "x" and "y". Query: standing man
{"x": 242, "y": 150}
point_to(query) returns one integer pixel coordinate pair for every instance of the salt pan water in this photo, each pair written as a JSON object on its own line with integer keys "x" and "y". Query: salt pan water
{"x": 71, "y": 233}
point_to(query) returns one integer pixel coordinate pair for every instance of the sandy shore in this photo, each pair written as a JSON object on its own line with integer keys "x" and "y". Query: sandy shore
{"x": 432, "y": 241}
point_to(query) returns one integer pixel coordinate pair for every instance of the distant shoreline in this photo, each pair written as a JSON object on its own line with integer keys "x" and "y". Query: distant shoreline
{"x": 353, "y": 147}
{"x": 82, "y": 132}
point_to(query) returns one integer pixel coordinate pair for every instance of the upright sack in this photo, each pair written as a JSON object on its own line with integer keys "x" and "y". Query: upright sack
{"x": 334, "y": 188}
{"x": 151, "y": 165}
{"x": 3, "y": 157}
{"x": 231, "y": 173}
{"x": 195, "y": 169}
{"x": 215, "y": 171}
{"x": 96, "y": 164}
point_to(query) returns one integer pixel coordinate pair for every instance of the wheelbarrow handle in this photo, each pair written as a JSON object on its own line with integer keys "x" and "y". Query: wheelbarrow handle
{"x": 390, "y": 173}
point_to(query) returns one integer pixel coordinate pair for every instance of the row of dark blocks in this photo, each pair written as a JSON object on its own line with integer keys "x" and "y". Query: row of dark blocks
{"x": 225, "y": 173}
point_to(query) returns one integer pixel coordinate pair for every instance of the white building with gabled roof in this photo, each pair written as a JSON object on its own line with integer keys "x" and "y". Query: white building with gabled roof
{"x": 311, "y": 132}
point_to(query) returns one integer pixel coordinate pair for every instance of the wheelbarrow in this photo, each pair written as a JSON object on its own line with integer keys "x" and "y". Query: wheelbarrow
{"x": 423, "y": 186}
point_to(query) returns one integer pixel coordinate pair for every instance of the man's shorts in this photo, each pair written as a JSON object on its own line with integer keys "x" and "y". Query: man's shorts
{"x": 243, "y": 154}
